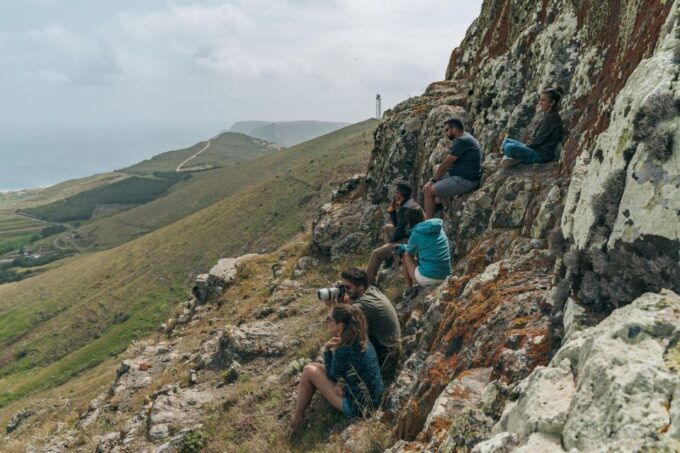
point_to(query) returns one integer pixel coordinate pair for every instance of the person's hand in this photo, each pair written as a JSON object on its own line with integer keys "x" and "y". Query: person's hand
{"x": 330, "y": 302}
{"x": 332, "y": 344}
{"x": 345, "y": 299}
{"x": 339, "y": 389}
{"x": 393, "y": 204}
{"x": 427, "y": 188}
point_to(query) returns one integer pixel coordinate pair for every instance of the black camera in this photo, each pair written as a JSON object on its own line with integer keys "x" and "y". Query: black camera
{"x": 336, "y": 292}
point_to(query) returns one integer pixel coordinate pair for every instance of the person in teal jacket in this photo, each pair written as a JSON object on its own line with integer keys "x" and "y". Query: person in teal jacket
{"x": 427, "y": 257}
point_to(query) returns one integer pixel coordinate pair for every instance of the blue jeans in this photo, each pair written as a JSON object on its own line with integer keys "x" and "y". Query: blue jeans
{"x": 517, "y": 150}
{"x": 346, "y": 408}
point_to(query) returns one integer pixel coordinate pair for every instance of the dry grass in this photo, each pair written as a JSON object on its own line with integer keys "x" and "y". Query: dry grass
{"x": 256, "y": 408}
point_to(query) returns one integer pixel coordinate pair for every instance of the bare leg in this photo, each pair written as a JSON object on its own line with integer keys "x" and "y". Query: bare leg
{"x": 409, "y": 268}
{"x": 314, "y": 378}
{"x": 429, "y": 204}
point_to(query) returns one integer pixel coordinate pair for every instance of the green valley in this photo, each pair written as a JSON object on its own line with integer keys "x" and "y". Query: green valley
{"x": 55, "y": 325}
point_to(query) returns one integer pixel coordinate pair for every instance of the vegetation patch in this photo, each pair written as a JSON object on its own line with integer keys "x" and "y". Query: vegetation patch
{"x": 134, "y": 190}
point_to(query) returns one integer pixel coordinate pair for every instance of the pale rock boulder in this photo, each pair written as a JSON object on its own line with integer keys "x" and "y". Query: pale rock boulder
{"x": 500, "y": 443}
{"x": 241, "y": 343}
{"x": 176, "y": 409}
{"x": 610, "y": 388}
{"x": 651, "y": 198}
{"x": 625, "y": 386}
{"x": 543, "y": 405}
{"x": 225, "y": 271}
{"x": 221, "y": 275}
{"x": 343, "y": 229}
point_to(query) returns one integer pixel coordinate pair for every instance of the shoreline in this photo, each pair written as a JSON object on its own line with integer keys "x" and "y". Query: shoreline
{"x": 22, "y": 191}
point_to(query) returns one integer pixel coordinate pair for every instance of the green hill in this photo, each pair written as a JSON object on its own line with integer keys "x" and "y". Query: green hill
{"x": 287, "y": 133}
{"x": 203, "y": 189}
{"x": 64, "y": 321}
{"x": 225, "y": 149}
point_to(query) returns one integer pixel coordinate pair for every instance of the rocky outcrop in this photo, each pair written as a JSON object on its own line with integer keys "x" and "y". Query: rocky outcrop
{"x": 558, "y": 329}
{"x": 242, "y": 344}
{"x": 613, "y": 387}
{"x": 542, "y": 253}
{"x": 220, "y": 276}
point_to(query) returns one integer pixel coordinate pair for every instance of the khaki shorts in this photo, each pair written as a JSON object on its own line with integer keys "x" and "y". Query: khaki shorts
{"x": 425, "y": 281}
{"x": 454, "y": 185}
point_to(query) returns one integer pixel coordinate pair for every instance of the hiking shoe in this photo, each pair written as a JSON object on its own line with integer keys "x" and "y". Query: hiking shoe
{"x": 410, "y": 293}
{"x": 508, "y": 162}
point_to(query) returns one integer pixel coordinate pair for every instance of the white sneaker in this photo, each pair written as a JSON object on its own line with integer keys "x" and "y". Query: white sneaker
{"x": 508, "y": 162}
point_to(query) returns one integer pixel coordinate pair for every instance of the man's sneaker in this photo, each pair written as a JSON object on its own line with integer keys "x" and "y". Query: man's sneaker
{"x": 508, "y": 162}
{"x": 410, "y": 293}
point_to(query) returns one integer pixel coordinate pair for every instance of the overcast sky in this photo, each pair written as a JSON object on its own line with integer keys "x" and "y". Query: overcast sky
{"x": 206, "y": 64}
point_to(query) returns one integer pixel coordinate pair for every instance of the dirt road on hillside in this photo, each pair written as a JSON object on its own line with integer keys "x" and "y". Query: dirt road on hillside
{"x": 179, "y": 167}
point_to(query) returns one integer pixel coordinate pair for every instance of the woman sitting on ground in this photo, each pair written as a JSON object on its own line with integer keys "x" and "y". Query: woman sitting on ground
{"x": 349, "y": 357}
{"x": 545, "y": 139}
{"x": 426, "y": 258}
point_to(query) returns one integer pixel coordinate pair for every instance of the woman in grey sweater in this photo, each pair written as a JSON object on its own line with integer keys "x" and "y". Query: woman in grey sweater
{"x": 544, "y": 140}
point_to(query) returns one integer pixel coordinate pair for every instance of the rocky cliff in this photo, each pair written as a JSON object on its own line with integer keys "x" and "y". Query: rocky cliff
{"x": 559, "y": 328}
{"x": 541, "y": 252}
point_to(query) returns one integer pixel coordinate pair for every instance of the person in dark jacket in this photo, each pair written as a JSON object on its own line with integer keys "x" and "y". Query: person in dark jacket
{"x": 545, "y": 138}
{"x": 350, "y": 377}
{"x": 427, "y": 257}
{"x": 393, "y": 233}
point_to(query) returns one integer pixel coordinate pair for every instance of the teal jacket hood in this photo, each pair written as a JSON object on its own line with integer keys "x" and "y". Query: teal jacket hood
{"x": 430, "y": 226}
{"x": 429, "y": 243}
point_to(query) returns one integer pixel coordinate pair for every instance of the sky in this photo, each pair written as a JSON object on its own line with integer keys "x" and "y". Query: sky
{"x": 72, "y": 62}
{"x": 195, "y": 67}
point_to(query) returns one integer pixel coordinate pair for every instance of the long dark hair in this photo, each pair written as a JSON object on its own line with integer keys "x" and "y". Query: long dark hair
{"x": 555, "y": 94}
{"x": 355, "y": 327}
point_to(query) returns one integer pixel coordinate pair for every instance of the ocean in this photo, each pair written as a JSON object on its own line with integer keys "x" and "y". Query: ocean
{"x": 30, "y": 159}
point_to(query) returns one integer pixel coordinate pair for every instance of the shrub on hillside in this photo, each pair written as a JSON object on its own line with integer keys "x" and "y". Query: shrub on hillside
{"x": 52, "y": 230}
{"x": 133, "y": 190}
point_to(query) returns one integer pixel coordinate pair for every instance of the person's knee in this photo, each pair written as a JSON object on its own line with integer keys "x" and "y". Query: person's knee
{"x": 510, "y": 150}
{"x": 309, "y": 370}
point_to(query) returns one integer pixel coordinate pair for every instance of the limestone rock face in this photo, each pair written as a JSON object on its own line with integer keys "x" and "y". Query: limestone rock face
{"x": 623, "y": 204}
{"x": 242, "y": 344}
{"x": 175, "y": 410}
{"x": 611, "y": 387}
{"x": 341, "y": 229}
{"x": 18, "y": 418}
{"x": 596, "y": 227}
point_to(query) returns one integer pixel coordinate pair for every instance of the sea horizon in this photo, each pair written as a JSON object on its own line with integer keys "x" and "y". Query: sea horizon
{"x": 31, "y": 162}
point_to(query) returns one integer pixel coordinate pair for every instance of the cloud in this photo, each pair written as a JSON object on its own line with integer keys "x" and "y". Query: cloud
{"x": 230, "y": 59}
{"x": 60, "y": 56}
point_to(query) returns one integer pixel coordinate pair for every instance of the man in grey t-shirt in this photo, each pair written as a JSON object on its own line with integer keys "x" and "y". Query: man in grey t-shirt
{"x": 463, "y": 164}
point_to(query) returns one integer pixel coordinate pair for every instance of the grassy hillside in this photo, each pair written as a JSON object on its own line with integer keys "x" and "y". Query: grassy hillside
{"x": 60, "y": 323}
{"x": 227, "y": 148}
{"x": 204, "y": 189}
{"x": 287, "y": 133}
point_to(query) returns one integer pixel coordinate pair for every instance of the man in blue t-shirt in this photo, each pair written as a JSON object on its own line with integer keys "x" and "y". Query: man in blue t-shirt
{"x": 463, "y": 164}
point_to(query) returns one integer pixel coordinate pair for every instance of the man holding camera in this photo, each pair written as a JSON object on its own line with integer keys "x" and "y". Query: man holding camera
{"x": 383, "y": 324}
{"x": 394, "y": 233}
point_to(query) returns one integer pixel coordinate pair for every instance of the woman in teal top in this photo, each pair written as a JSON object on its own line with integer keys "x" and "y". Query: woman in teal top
{"x": 427, "y": 261}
